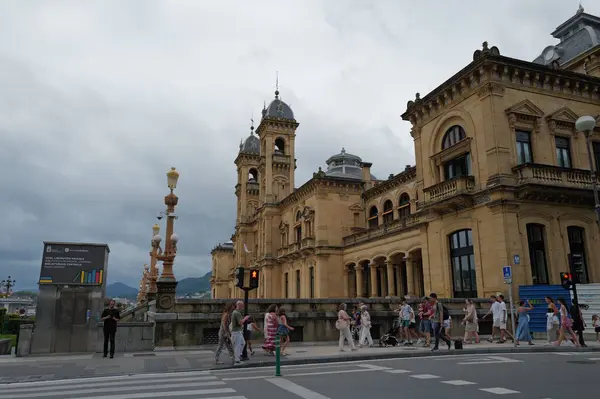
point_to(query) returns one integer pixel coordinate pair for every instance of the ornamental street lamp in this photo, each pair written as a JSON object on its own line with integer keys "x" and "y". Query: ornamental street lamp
{"x": 587, "y": 124}
{"x": 7, "y": 285}
{"x": 142, "y": 293}
{"x": 154, "y": 245}
{"x": 167, "y": 283}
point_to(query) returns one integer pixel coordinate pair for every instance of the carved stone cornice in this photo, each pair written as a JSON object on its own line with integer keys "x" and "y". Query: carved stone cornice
{"x": 489, "y": 66}
{"x": 524, "y": 115}
{"x": 409, "y": 175}
{"x": 319, "y": 183}
{"x": 276, "y": 124}
{"x": 491, "y": 89}
{"x": 452, "y": 152}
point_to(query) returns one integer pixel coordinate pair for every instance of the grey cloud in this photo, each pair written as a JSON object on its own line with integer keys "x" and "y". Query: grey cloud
{"x": 98, "y": 99}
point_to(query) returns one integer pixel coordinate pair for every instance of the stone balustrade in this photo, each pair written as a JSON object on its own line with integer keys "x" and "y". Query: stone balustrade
{"x": 553, "y": 176}
{"x": 449, "y": 188}
{"x": 392, "y": 227}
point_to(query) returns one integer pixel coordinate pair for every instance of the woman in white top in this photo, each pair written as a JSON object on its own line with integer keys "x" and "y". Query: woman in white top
{"x": 365, "y": 327}
{"x": 343, "y": 325}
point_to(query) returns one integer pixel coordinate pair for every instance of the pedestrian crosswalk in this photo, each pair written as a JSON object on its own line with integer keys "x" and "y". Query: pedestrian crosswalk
{"x": 194, "y": 384}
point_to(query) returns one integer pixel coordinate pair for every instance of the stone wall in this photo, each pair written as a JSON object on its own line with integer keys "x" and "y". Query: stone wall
{"x": 131, "y": 337}
{"x": 196, "y": 322}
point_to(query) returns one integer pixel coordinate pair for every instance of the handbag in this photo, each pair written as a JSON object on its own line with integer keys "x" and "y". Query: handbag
{"x": 340, "y": 324}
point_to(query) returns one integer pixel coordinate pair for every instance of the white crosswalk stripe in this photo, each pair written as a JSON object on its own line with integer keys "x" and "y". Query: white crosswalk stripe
{"x": 197, "y": 385}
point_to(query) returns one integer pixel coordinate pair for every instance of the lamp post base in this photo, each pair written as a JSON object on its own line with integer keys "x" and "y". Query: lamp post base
{"x": 165, "y": 296}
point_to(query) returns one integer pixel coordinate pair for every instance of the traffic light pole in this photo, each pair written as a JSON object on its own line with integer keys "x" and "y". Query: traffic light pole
{"x": 245, "y": 350}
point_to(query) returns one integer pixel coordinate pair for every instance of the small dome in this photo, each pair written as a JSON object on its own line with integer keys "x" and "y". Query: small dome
{"x": 344, "y": 165}
{"x": 278, "y": 109}
{"x": 251, "y": 145}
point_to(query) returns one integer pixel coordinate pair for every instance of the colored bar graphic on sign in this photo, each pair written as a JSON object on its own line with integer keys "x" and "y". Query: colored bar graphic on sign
{"x": 101, "y": 275}
{"x": 91, "y": 277}
{"x": 45, "y": 280}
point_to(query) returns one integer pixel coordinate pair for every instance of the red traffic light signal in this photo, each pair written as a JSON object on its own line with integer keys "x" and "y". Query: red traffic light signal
{"x": 254, "y": 278}
{"x": 566, "y": 280}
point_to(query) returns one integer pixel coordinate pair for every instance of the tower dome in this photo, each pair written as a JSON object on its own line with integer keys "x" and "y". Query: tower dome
{"x": 251, "y": 145}
{"x": 278, "y": 109}
{"x": 345, "y": 165}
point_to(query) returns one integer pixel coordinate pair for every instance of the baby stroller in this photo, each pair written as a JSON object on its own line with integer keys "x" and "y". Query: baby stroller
{"x": 389, "y": 338}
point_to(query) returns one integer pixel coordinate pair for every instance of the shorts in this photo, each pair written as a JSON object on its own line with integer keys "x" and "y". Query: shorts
{"x": 405, "y": 323}
{"x": 412, "y": 326}
{"x": 499, "y": 324}
{"x": 597, "y": 329}
{"x": 425, "y": 326}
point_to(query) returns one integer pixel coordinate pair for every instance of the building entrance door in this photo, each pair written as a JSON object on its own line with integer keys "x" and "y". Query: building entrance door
{"x": 71, "y": 321}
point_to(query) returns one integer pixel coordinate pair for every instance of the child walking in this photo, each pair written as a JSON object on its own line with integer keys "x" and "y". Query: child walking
{"x": 284, "y": 331}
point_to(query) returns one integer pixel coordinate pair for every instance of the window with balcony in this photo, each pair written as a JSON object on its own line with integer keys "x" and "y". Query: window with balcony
{"x": 459, "y": 166}
{"x": 537, "y": 253}
{"x": 563, "y": 152}
{"x": 388, "y": 211}
{"x": 462, "y": 258}
{"x": 373, "y": 220}
{"x": 311, "y": 283}
{"x": 298, "y": 227}
{"x": 404, "y": 206}
{"x": 577, "y": 249}
{"x": 452, "y": 136}
{"x": 524, "y": 152}
{"x": 286, "y": 285}
{"x": 298, "y": 284}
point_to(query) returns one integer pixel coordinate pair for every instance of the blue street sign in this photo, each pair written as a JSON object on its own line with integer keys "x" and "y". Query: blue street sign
{"x": 517, "y": 259}
{"x": 507, "y": 272}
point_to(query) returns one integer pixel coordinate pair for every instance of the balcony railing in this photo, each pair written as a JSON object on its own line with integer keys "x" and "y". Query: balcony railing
{"x": 252, "y": 187}
{"x": 281, "y": 158}
{"x": 308, "y": 242}
{"x": 383, "y": 229}
{"x": 449, "y": 188}
{"x": 549, "y": 175}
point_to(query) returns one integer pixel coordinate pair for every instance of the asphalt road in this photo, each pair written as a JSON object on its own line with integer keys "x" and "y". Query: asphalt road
{"x": 531, "y": 376}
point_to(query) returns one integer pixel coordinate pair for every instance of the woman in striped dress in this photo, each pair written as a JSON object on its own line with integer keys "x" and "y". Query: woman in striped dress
{"x": 271, "y": 324}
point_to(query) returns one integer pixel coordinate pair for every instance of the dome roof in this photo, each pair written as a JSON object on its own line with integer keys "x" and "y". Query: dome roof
{"x": 278, "y": 109}
{"x": 344, "y": 165}
{"x": 251, "y": 145}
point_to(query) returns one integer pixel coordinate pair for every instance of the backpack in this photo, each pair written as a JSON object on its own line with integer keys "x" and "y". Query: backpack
{"x": 445, "y": 313}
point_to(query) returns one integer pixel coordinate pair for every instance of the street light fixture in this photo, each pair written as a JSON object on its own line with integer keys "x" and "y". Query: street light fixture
{"x": 587, "y": 124}
{"x": 171, "y": 239}
{"x": 8, "y": 284}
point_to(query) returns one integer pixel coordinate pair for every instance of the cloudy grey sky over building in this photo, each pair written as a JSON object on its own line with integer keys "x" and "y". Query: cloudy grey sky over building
{"x": 99, "y": 98}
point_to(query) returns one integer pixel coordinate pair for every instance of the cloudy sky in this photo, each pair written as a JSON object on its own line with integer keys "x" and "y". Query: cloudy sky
{"x": 99, "y": 98}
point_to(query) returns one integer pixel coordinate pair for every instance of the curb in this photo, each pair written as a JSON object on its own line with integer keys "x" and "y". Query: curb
{"x": 377, "y": 356}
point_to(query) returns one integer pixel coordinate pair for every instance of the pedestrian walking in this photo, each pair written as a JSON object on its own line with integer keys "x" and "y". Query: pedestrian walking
{"x": 237, "y": 333}
{"x": 566, "y": 324}
{"x": 225, "y": 334}
{"x": 111, "y": 317}
{"x": 523, "y": 333}
{"x": 552, "y": 321}
{"x": 471, "y": 322}
{"x": 271, "y": 324}
{"x": 342, "y": 324}
{"x": 283, "y": 330}
{"x": 578, "y": 322}
{"x": 365, "y": 327}
{"x": 437, "y": 322}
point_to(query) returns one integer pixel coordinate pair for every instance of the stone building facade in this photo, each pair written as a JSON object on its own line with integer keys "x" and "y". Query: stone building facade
{"x": 502, "y": 177}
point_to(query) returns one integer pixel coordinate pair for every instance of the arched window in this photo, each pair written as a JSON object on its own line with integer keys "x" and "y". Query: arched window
{"x": 537, "y": 253}
{"x": 253, "y": 175}
{"x": 373, "y": 219}
{"x": 462, "y": 260}
{"x": 279, "y": 146}
{"x": 404, "y": 206}
{"x": 577, "y": 249}
{"x": 388, "y": 211}
{"x": 298, "y": 227}
{"x": 452, "y": 136}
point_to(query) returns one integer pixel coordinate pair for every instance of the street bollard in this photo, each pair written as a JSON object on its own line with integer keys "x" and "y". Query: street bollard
{"x": 277, "y": 357}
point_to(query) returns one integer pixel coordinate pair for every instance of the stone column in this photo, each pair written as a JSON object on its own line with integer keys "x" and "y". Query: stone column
{"x": 373, "y": 271}
{"x": 360, "y": 285}
{"x": 346, "y": 282}
{"x": 398, "y": 269}
{"x": 390, "y": 277}
{"x": 410, "y": 277}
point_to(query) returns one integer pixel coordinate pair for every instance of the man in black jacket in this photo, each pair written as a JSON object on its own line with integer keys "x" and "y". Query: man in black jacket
{"x": 578, "y": 324}
{"x": 110, "y": 316}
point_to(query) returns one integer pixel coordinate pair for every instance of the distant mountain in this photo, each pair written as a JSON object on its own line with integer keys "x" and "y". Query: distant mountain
{"x": 120, "y": 290}
{"x": 193, "y": 285}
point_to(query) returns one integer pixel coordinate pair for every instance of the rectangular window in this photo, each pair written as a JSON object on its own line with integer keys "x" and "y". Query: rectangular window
{"x": 578, "y": 256}
{"x": 297, "y": 283}
{"x": 563, "y": 152}
{"x": 460, "y": 166}
{"x": 596, "y": 151}
{"x": 537, "y": 253}
{"x": 312, "y": 282}
{"x": 286, "y": 285}
{"x": 524, "y": 153}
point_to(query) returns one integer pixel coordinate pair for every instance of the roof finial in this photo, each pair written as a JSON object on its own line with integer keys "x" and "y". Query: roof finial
{"x": 343, "y": 150}
{"x": 252, "y": 124}
{"x": 277, "y": 85}
{"x": 241, "y": 143}
{"x": 580, "y": 9}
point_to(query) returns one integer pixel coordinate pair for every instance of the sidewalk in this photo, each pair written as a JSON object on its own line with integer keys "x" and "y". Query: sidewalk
{"x": 49, "y": 367}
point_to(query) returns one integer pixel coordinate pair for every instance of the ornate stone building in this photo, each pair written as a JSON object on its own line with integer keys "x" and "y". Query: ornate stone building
{"x": 502, "y": 177}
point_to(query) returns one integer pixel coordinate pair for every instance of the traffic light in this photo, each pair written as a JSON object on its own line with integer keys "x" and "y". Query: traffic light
{"x": 239, "y": 277}
{"x": 254, "y": 278}
{"x": 566, "y": 280}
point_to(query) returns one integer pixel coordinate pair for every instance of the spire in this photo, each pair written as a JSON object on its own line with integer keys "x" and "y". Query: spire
{"x": 252, "y": 125}
{"x": 277, "y": 86}
{"x": 241, "y": 143}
